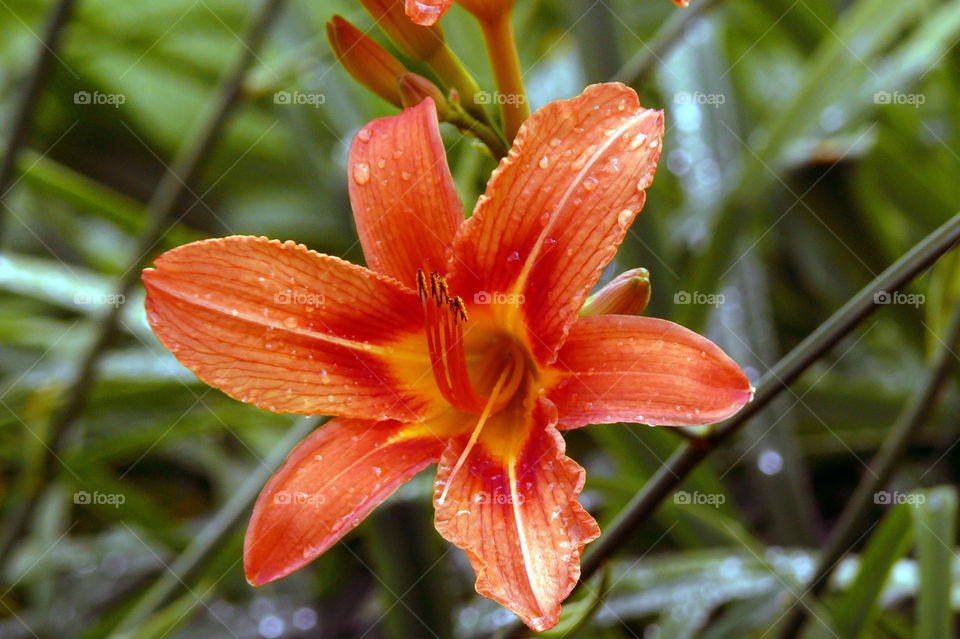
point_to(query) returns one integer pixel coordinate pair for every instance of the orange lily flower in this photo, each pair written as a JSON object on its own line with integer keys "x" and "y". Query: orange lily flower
{"x": 427, "y": 12}
{"x": 460, "y": 344}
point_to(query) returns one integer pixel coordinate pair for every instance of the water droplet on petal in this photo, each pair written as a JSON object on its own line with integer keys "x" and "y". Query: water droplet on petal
{"x": 363, "y": 135}
{"x": 290, "y": 322}
{"x": 544, "y": 162}
{"x": 624, "y": 217}
{"x": 514, "y": 257}
{"x": 405, "y": 176}
{"x": 361, "y": 173}
{"x": 590, "y": 183}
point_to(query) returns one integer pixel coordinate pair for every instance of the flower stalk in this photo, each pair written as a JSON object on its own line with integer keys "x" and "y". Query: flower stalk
{"x": 505, "y": 61}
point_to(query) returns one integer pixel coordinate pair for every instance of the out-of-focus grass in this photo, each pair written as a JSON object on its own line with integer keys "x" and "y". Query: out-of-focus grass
{"x": 809, "y": 144}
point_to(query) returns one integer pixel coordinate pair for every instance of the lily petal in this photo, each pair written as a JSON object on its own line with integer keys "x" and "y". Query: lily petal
{"x": 558, "y": 206}
{"x": 404, "y": 201}
{"x": 287, "y": 329}
{"x": 512, "y": 506}
{"x": 329, "y": 483}
{"x": 427, "y": 12}
{"x": 617, "y": 368}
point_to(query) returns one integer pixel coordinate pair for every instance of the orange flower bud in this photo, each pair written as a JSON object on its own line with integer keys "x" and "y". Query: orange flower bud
{"x": 370, "y": 64}
{"x": 415, "y": 88}
{"x": 487, "y": 9}
{"x": 626, "y": 294}
{"x": 414, "y": 41}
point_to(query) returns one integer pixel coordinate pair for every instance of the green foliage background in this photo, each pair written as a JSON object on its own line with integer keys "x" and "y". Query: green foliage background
{"x": 785, "y": 192}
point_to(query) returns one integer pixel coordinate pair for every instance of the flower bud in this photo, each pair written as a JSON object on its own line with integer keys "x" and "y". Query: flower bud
{"x": 626, "y": 294}
{"x": 415, "y": 88}
{"x": 413, "y": 40}
{"x": 370, "y": 64}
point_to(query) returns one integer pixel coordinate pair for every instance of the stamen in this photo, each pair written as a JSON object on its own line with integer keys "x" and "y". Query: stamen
{"x": 475, "y": 435}
{"x": 444, "y": 319}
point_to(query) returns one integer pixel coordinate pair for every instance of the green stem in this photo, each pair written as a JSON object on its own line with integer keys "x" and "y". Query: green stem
{"x": 162, "y": 206}
{"x": 502, "y": 50}
{"x": 460, "y": 118}
{"x": 455, "y": 76}
{"x": 881, "y": 467}
{"x": 688, "y": 456}
{"x": 23, "y": 119}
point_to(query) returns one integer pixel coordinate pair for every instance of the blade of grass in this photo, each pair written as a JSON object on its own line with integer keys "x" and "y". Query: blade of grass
{"x": 23, "y": 119}
{"x": 935, "y": 520}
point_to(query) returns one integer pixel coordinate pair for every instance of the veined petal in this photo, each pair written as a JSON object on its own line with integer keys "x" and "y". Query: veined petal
{"x": 290, "y": 330}
{"x": 557, "y": 208}
{"x": 512, "y": 506}
{"x": 328, "y": 484}
{"x": 427, "y": 12}
{"x": 617, "y": 368}
{"x": 404, "y": 202}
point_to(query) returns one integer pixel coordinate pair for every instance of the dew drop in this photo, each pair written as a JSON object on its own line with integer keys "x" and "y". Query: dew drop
{"x": 361, "y": 173}
{"x": 556, "y": 142}
{"x": 544, "y": 162}
{"x": 405, "y": 176}
{"x": 364, "y": 135}
{"x": 637, "y": 140}
{"x": 290, "y": 322}
{"x": 514, "y": 257}
{"x": 590, "y": 183}
{"x": 624, "y": 217}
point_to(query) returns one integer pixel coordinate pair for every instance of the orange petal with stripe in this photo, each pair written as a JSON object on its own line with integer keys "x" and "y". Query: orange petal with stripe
{"x": 512, "y": 506}
{"x": 329, "y": 483}
{"x": 289, "y": 330}
{"x": 404, "y": 201}
{"x": 617, "y": 368}
{"x": 558, "y": 206}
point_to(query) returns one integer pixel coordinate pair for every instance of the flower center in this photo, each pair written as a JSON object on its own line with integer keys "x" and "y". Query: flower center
{"x": 500, "y": 367}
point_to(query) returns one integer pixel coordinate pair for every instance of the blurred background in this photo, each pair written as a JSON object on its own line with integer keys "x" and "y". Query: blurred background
{"x": 809, "y": 144}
